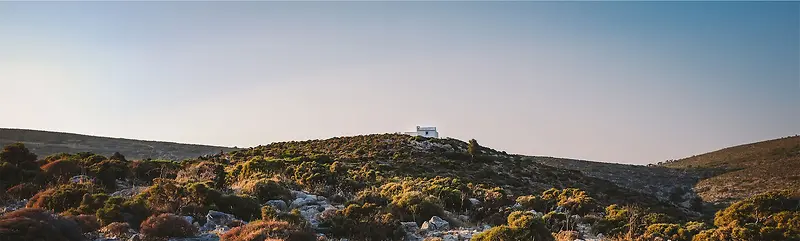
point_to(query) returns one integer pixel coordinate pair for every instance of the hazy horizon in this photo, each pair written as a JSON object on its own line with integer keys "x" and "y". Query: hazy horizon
{"x": 625, "y": 82}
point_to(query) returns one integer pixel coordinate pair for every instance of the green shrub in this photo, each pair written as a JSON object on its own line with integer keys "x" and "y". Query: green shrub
{"x": 362, "y": 222}
{"x": 415, "y": 206}
{"x": 269, "y": 213}
{"x": 521, "y": 226}
{"x": 109, "y": 171}
{"x": 116, "y": 209}
{"x": 203, "y": 171}
{"x": 243, "y": 207}
{"x": 60, "y": 198}
{"x": 165, "y": 226}
{"x": 769, "y": 216}
{"x": 531, "y": 202}
{"x": 265, "y": 190}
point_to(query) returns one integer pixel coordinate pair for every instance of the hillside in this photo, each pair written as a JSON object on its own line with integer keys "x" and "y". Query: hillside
{"x": 44, "y": 143}
{"x": 666, "y": 184}
{"x": 745, "y": 170}
{"x": 367, "y": 188}
{"x": 399, "y": 155}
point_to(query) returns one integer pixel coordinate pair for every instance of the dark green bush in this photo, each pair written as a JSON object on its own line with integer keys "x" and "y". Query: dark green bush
{"x": 109, "y": 171}
{"x": 362, "y": 222}
{"x": 265, "y": 190}
{"x": 37, "y": 224}
{"x": 22, "y": 191}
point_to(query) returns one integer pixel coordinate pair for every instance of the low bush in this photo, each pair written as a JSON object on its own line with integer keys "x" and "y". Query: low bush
{"x": 86, "y": 223}
{"x": 362, "y": 222}
{"x": 268, "y": 230}
{"x": 265, "y": 190}
{"x": 22, "y": 191}
{"x": 165, "y": 226}
{"x": 60, "y": 198}
{"x": 38, "y": 224}
{"x": 415, "y": 206}
{"x": 521, "y": 226}
{"x": 109, "y": 171}
{"x": 61, "y": 170}
{"x": 203, "y": 171}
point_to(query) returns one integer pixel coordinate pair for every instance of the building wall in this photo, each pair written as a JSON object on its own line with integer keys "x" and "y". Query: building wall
{"x": 432, "y": 134}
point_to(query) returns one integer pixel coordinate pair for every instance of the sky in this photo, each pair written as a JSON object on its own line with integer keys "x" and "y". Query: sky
{"x": 624, "y": 82}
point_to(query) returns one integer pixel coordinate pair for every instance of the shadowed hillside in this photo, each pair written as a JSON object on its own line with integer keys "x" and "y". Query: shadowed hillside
{"x": 666, "y": 184}
{"x": 44, "y": 143}
{"x": 745, "y": 170}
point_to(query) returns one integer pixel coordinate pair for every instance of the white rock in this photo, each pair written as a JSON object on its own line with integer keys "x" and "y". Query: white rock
{"x": 219, "y": 220}
{"x": 474, "y": 201}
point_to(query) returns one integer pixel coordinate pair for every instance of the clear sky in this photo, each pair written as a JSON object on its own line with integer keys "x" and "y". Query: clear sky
{"x": 628, "y": 82}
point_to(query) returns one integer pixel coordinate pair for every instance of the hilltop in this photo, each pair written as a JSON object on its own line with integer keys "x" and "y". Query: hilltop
{"x": 45, "y": 143}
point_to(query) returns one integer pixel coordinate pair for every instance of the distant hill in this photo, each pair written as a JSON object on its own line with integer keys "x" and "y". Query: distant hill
{"x": 45, "y": 143}
{"x": 745, "y": 170}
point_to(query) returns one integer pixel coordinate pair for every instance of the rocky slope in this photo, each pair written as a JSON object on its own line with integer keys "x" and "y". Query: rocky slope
{"x": 738, "y": 172}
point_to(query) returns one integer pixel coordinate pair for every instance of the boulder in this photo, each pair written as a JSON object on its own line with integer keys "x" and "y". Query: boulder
{"x": 411, "y": 229}
{"x": 475, "y": 201}
{"x": 435, "y": 224}
{"x": 278, "y": 204}
{"x": 449, "y": 237}
{"x": 202, "y": 237}
{"x": 219, "y": 220}
{"x": 298, "y": 194}
{"x": 81, "y": 179}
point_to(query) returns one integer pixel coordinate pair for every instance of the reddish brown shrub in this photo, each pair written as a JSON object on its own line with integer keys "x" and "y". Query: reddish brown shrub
{"x": 22, "y": 191}
{"x": 167, "y": 225}
{"x": 61, "y": 170}
{"x": 37, "y": 224}
{"x": 87, "y": 223}
{"x": 268, "y": 230}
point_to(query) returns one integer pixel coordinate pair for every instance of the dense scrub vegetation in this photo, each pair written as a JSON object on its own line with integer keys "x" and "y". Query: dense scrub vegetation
{"x": 377, "y": 182}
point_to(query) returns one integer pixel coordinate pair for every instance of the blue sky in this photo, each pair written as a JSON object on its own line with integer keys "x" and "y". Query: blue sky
{"x": 629, "y": 82}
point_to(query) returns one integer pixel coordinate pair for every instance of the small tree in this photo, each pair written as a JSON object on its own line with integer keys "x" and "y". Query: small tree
{"x": 17, "y": 154}
{"x": 117, "y": 156}
{"x": 473, "y": 148}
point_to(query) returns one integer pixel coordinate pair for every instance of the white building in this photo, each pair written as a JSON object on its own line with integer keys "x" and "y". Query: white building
{"x": 427, "y": 131}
